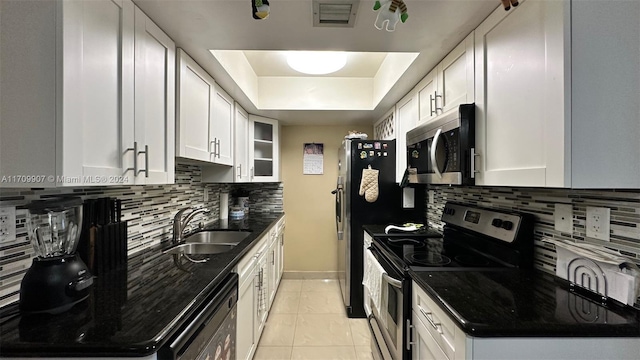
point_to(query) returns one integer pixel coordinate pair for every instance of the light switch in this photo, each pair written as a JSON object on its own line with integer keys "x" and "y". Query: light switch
{"x": 563, "y": 218}
{"x": 408, "y": 198}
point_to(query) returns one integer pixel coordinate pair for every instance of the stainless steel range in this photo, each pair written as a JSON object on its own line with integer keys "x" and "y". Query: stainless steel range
{"x": 473, "y": 239}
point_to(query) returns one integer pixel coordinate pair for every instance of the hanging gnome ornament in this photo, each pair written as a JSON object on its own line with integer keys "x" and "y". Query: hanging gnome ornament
{"x": 508, "y": 3}
{"x": 390, "y": 12}
{"x": 260, "y": 9}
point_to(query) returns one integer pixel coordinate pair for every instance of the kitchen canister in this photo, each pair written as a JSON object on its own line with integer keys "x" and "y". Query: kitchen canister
{"x": 236, "y": 213}
{"x": 243, "y": 202}
{"x": 224, "y": 205}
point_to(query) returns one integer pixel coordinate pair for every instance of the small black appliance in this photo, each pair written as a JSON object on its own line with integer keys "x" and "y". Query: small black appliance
{"x": 57, "y": 279}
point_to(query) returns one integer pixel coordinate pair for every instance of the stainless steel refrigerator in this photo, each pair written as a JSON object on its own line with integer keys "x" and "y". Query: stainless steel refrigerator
{"x": 353, "y": 211}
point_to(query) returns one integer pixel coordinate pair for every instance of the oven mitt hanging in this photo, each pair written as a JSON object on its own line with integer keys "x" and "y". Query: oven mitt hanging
{"x": 260, "y": 9}
{"x": 369, "y": 184}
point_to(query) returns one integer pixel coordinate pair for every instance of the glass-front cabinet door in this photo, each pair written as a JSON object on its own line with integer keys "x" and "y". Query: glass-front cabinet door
{"x": 264, "y": 149}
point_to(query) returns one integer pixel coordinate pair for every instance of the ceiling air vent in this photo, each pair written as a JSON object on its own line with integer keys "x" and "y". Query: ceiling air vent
{"x": 335, "y": 13}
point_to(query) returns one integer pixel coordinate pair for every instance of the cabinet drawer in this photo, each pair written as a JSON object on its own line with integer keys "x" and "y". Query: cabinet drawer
{"x": 248, "y": 261}
{"x": 437, "y": 322}
{"x": 426, "y": 347}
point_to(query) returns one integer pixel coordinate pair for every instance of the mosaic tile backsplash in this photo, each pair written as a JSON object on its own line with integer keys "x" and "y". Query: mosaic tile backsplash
{"x": 149, "y": 211}
{"x": 624, "y": 205}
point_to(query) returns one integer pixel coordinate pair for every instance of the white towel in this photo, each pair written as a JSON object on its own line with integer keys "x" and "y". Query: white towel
{"x": 372, "y": 280}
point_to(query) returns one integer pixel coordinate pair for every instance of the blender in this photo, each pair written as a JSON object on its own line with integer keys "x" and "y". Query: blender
{"x": 58, "y": 279}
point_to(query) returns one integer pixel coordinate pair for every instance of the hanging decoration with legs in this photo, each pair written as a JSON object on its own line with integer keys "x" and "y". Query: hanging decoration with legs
{"x": 260, "y": 9}
{"x": 508, "y": 3}
{"x": 390, "y": 11}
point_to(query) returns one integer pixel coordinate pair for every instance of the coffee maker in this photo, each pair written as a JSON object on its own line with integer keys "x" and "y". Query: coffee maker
{"x": 58, "y": 279}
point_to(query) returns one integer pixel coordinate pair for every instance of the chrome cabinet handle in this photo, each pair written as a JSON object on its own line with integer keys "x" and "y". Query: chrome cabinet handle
{"x": 434, "y": 146}
{"x": 218, "y": 148}
{"x": 146, "y": 160}
{"x": 239, "y": 171}
{"x": 473, "y": 163}
{"x": 432, "y": 100}
{"x": 214, "y": 147}
{"x": 135, "y": 158}
{"x": 429, "y": 317}
{"x": 409, "y": 333}
{"x": 273, "y": 257}
{"x": 252, "y": 172}
{"x": 435, "y": 101}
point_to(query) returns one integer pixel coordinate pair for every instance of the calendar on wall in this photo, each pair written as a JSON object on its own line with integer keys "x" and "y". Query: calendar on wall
{"x": 313, "y": 159}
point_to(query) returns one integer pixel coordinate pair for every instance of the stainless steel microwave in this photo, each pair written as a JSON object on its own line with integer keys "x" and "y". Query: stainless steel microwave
{"x": 443, "y": 151}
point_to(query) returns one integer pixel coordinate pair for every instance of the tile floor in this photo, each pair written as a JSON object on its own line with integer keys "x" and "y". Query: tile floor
{"x": 308, "y": 321}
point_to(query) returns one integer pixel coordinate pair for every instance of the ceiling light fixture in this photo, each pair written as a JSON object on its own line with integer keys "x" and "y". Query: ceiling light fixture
{"x": 316, "y": 62}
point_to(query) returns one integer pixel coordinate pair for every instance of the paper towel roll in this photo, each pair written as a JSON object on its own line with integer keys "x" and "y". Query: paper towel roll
{"x": 224, "y": 205}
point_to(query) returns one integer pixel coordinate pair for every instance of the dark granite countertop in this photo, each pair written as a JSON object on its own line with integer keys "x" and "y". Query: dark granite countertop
{"x": 132, "y": 311}
{"x": 519, "y": 303}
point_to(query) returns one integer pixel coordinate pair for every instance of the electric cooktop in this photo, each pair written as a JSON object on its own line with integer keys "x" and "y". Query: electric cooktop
{"x": 473, "y": 238}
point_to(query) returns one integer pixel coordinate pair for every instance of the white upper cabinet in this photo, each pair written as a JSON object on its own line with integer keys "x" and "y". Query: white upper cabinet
{"x": 241, "y": 171}
{"x": 92, "y": 100}
{"x": 194, "y": 100}
{"x": 519, "y": 123}
{"x": 205, "y": 115}
{"x": 407, "y": 113}
{"x": 154, "y": 102}
{"x": 449, "y": 84}
{"x": 242, "y": 163}
{"x": 69, "y": 115}
{"x": 221, "y": 129}
{"x": 456, "y": 77}
{"x": 427, "y": 92}
{"x": 264, "y": 149}
{"x": 557, "y": 99}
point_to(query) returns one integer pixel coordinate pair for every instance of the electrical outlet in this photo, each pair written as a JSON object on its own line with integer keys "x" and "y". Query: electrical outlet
{"x": 206, "y": 195}
{"x": 598, "y": 226}
{"x": 563, "y": 216}
{"x": 7, "y": 223}
{"x": 432, "y": 196}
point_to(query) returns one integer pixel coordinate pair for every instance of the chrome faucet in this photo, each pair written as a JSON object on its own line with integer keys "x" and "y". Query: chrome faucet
{"x": 179, "y": 224}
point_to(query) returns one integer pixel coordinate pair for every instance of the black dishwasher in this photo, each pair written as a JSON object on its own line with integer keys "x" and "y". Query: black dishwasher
{"x": 211, "y": 333}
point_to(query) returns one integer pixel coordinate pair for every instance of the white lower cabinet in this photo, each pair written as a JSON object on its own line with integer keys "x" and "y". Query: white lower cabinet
{"x": 258, "y": 281}
{"x": 280, "y": 251}
{"x": 271, "y": 267}
{"x": 262, "y": 291}
{"x": 425, "y": 346}
{"x": 246, "y": 341}
{"x": 436, "y": 336}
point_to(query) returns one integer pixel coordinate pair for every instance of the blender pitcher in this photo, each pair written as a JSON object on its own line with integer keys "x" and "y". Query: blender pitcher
{"x": 57, "y": 279}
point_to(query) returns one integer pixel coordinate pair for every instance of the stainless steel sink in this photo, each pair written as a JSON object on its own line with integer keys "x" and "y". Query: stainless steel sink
{"x": 200, "y": 249}
{"x": 217, "y": 237}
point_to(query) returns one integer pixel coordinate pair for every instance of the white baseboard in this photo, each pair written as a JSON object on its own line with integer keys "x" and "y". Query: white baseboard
{"x": 310, "y": 275}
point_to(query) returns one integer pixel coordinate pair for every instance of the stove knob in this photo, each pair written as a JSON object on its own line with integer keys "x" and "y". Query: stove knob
{"x": 449, "y": 211}
{"x": 507, "y": 225}
{"x": 497, "y": 223}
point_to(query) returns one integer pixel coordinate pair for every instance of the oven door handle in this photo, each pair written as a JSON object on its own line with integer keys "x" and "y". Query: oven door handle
{"x": 432, "y": 153}
{"x": 393, "y": 282}
{"x": 390, "y": 280}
